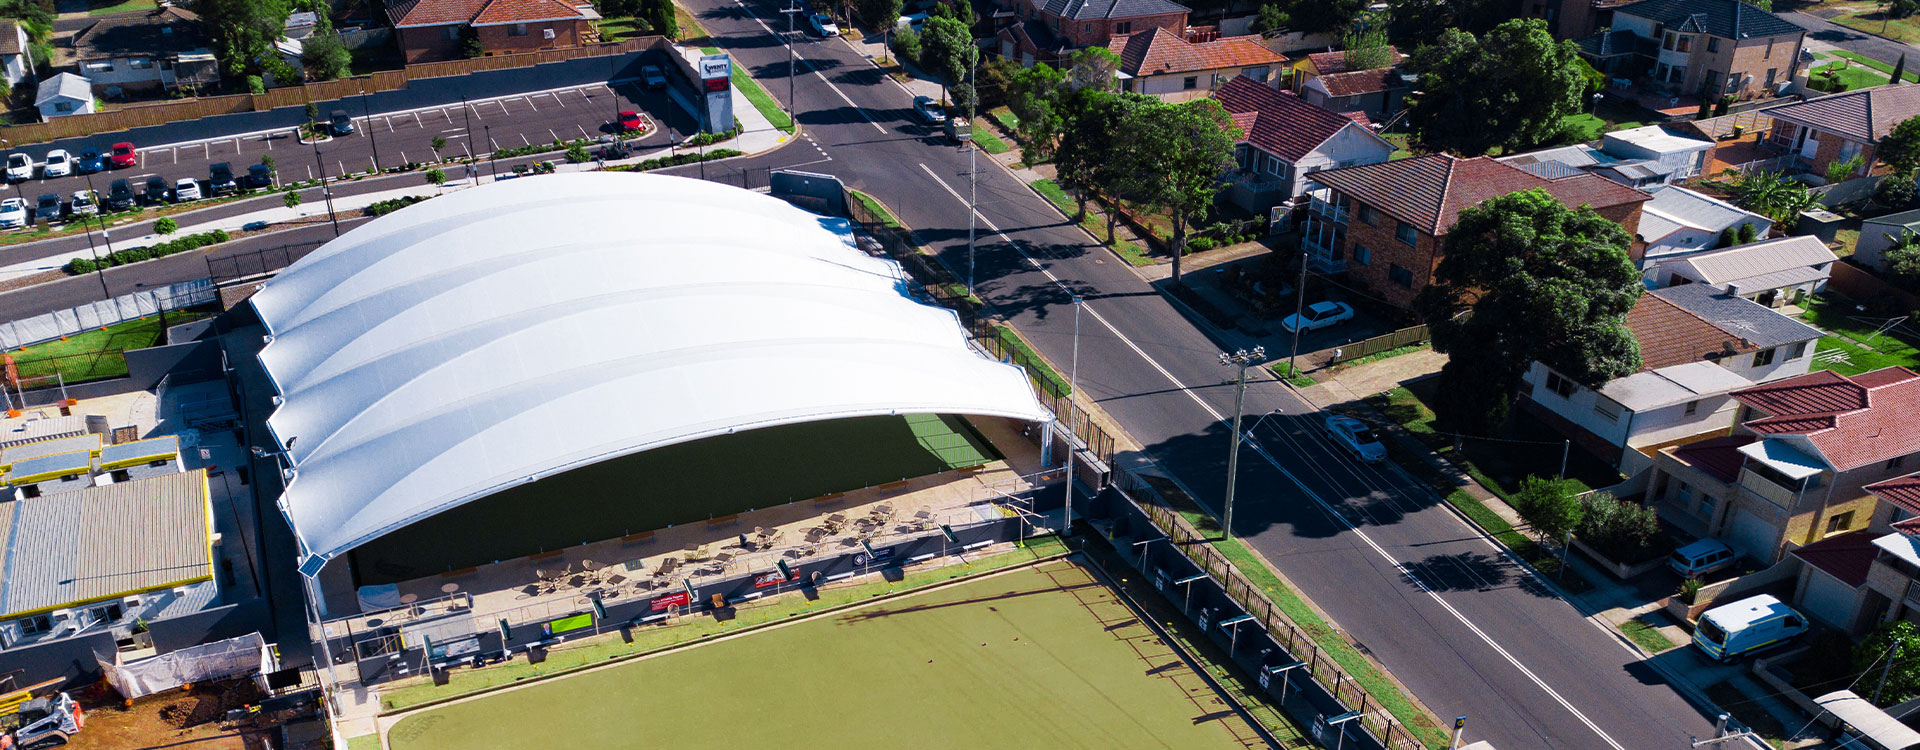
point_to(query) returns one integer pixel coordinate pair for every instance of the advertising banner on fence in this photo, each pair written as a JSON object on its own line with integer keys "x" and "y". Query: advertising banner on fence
{"x": 769, "y": 578}
{"x": 566, "y": 624}
{"x": 670, "y": 601}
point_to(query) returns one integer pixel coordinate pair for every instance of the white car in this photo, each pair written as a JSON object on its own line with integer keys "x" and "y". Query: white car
{"x": 83, "y": 204}
{"x": 1355, "y": 436}
{"x": 13, "y": 213}
{"x": 823, "y": 24}
{"x": 59, "y": 164}
{"x": 1318, "y": 315}
{"x": 187, "y": 189}
{"x": 929, "y": 110}
{"x": 19, "y": 167}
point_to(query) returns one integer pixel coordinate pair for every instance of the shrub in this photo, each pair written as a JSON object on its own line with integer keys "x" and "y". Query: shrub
{"x": 1894, "y": 191}
{"x": 436, "y": 176}
{"x": 1200, "y": 244}
{"x": 292, "y": 199}
{"x": 906, "y": 45}
{"x": 79, "y": 266}
{"x": 390, "y": 205}
{"x": 708, "y": 139}
{"x": 166, "y": 225}
{"x": 137, "y": 254}
{"x": 1728, "y": 238}
{"x": 1622, "y": 532}
{"x": 256, "y": 85}
{"x": 1690, "y": 589}
{"x": 577, "y": 154}
{"x": 1551, "y": 506}
{"x": 676, "y": 160}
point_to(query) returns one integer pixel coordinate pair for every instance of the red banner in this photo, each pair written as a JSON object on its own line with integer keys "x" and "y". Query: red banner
{"x": 769, "y": 578}
{"x": 672, "y": 600}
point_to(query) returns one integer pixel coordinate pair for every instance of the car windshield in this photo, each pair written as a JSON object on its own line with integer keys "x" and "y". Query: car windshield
{"x": 1712, "y": 633}
{"x": 1364, "y": 435}
{"x": 17, "y": 160}
{"x": 122, "y": 150}
{"x": 56, "y": 157}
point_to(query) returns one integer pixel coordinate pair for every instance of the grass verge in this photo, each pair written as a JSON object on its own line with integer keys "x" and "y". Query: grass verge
{"x": 1036, "y": 364}
{"x": 417, "y": 691}
{"x": 1286, "y": 371}
{"x": 762, "y": 101}
{"x": 1388, "y": 354}
{"x": 1591, "y": 126}
{"x": 1646, "y": 635}
{"x": 1872, "y": 21}
{"x": 128, "y": 6}
{"x": 1132, "y": 253}
{"x": 364, "y": 742}
{"x": 989, "y": 142}
{"x": 1875, "y": 64}
{"x": 692, "y": 34}
{"x": 1006, "y": 118}
{"x": 1852, "y": 75}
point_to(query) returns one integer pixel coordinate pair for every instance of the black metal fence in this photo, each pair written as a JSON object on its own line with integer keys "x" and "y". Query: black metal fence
{"x": 260, "y": 262}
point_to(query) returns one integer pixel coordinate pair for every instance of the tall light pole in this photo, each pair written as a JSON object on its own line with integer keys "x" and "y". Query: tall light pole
{"x": 367, "y": 114}
{"x": 493, "y": 165}
{"x": 1241, "y": 359}
{"x": 325, "y": 191}
{"x": 1073, "y": 384}
{"x": 791, "y": 9}
{"x": 1299, "y": 310}
{"x": 973, "y": 174}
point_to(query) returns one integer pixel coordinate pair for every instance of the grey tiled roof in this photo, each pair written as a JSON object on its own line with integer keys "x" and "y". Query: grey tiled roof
{"x": 1730, "y": 19}
{"x": 1609, "y": 43}
{"x": 1864, "y": 115}
{"x": 16, "y": 454}
{"x": 1083, "y": 10}
{"x": 1739, "y": 316}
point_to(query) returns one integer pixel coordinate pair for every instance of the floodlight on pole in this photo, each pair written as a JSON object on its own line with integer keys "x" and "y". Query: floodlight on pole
{"x": 1241, "y": 359}
{"x": 1073, "y": 384}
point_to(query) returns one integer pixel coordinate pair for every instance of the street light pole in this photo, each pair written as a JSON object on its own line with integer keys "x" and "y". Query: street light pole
{"x": 1241, "y": 359}
{"x": 493, "y": 165}
{"x": 325, "y": 191}
{"x": 1299, "y": 310}
{"x": 468, "y": 110}
{"x": 366, "y": 114}
{"x": 973, "y": 175}
{"x": 1073, "y": 383}
{"x": 791, "y": 71}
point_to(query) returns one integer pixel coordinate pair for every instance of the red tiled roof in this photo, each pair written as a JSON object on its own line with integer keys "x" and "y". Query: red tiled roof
{"x": 1719, "y": 457}
{"x": 1852, "y": 421}
{"x": 1158, "y": 51}
{"x": 1359, "y": 82}
{"x": 1901, "y": 491}
{"x": 1328, "y": 63}
{"x": 1910, "y": 527}
{"x": 1430, "y": 191}
{"x": 522, "y": 11}
{"x": 480, "y": 12}
{"x": 1672, "y": 335}
{"x": 1278, "y": 122}
{"x": 1847, "y": 557}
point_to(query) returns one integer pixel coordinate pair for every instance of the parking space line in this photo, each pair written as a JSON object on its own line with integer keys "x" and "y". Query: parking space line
{"x": 175, "y": 152}
{"x": 416, "y": 120}
{"x": 583, "y": 130}
{"x": 558, "y": 100}
{"x": 556, "y": 136}
{"x": 523, "y": 139}
{"x": 529, "y": 102}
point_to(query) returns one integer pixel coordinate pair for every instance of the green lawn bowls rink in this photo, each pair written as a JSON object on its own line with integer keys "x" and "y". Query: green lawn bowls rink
{"x": 1042, "y": 656}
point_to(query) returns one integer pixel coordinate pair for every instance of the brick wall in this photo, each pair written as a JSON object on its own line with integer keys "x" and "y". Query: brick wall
{"x": 1740, "y": 58}
{"x": 427, "y": 44}
{"x": 502, "y": 39}
{"x": 1099, "y": 31}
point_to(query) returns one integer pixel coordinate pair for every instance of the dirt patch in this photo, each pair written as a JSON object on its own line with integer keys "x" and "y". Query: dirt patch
{"x": 174, "y": 719}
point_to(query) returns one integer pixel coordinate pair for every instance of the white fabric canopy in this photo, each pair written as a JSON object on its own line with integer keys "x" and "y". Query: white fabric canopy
{"x": 504, "y": 333}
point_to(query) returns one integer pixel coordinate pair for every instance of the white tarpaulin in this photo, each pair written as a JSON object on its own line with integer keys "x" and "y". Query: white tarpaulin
{"x": 220, "y": 660}
{"x": 123, "y": 308}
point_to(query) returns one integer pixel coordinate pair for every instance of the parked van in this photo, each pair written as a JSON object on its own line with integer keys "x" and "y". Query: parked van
{"x": 1698, "y": 559}
{"x": 1730, "y": 631}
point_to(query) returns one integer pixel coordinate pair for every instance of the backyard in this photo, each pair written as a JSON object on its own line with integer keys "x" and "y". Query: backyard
{"x": 1858, "y": 344}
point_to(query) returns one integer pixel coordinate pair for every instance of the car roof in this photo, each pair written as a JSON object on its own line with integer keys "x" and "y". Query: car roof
{"x": 1323, "y": 306}
{"x": 128, "y": 144}
{"x": 186, "y": 180}
{"x": 1701, "y": 547}
{"x": 1746, "y": 612}
{"x": 1344, "y": 419}
{"x": 45, "y": 196}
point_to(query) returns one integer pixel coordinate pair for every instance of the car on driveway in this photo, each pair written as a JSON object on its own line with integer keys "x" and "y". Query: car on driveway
{"x": 58, "y": 164}
{"x": 19, "y": 167}
{"x": 929, "y": 110}
{"x": 220, "y": 179}
{"x": 1701, "y": 557}
{"x": 823, "y": 24}
{"x": 13, "y": 213}
{"x": 1317, "y": 316}
{"x": 652, "y": 77}
{"x": 90, "y": 161}
{"x": 48, "y": 209}
{"x": 119, "y": 196}
{"x": 340, "y": 123}
{"x": 84, "y": 203}
{"x": 186, "y": 189}
{"x": 156, "y": 191}
{"x": 631, "y": 121}
{"x": 123, "y": 155}
{"x": 1356, "y": 437}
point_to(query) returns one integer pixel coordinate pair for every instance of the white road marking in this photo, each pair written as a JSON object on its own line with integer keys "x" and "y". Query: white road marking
{"x": 529, "y": 102}
{"x": 583, "y": 130}
{"x": 1317, "y": 499}
{"x": 816, "y": 71}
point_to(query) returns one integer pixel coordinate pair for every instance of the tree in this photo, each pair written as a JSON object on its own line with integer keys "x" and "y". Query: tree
{"x": 1088, "y": 158}
{"x": 1367, "y": 50}
{"x": 436, "y": 177}
{"x": 1772, "y": 196}
{"x": 243, "y": 33}
{"x": 313, "y": 112}
{"x": 437, "y": 143}
{"x": 326, "y": 58}
{"x": 1269, "y": 19}
{"x": 1620, "y": 531}
{"x": 1174, "y": 155}
{"x": 1747, "y": 233}
{"x": 1545, "y": 283}
{"x": 1841, "y": 170}
{"x": 660, "y": 18}
{"x": 1315, "y": 16}
{"x": 1551, "y": 506}
{"x": 1872, "y": 657}
{"x": 906, "y": 45}
{"x": 946, "y": 49}
{"x": 1512, "y": 88}
{"x": 1034, "y": 97}
{"x": 256, "y": 85}
{"x": 1728, "y": 238}
{"x": 1900, "y": 149}
{"x": 880, "y": 14}
{"x": 1095, "y": 68}
{"x": 1894, "y": 191}
{"x": 964, "y": 96}
{"x": 292, "y": 199}
{"x": 1902, "y": 260}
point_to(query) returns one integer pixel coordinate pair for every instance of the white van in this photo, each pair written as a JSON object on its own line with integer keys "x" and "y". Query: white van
{"x": 1698, "y": 559}
{"x": 1730, "y": 631}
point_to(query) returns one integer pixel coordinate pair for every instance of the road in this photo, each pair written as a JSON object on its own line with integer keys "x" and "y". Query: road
{"x": 1879, "y": 48}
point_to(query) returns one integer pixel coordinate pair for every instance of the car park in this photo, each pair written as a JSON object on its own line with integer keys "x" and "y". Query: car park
{"x": 1356, "y": 437}
{"x": 13, "y": 213}
{"x": 49, "y": 208}
{"x": 1699, "y": 558}
{"x": 340, "y": 123}
{"x": 123, "y": 154}
{"x": 823, "y": 24}
{"x": 1317, "y": 316}
{"x": 119, "y": 196}
{"x": 59, "y": 163}
{"x": 259, "y": 176}
{"x": 652, "y": 77}
{"x": 631, "y": 121}
{"x": 84, "y": 203}
{"x": 90, "y": 161}
{"x": 220, "y": 179}
{"x": 186, "y": 189}
{"x": 19, "y": 167}
{"x": 929, "y": 110}
{"x": 156, "y": 191}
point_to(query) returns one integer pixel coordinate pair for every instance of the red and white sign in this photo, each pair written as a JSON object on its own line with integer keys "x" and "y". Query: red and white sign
{"x": 769, "y": 578}
{"x": 672, "y": 600}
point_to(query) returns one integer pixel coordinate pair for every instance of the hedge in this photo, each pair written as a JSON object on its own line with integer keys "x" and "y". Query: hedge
{"x": 137, "y": 254}
{"x": 390, "y": 205}
{"x": 677, "y": 160}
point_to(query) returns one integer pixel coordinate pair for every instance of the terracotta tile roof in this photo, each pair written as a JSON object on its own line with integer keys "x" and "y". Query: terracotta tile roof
{"x": 1901, "y": 491}
{"x": 1158, "y": 51}
{"x": 1852, "y": 423}
{"x": 523, "y": 11}
{"x": 1847, "y": 557}
{"x": 1328, "y": 63}
{"x": 477, "y": 12}
{"x": 1083, "y": 10}
{"x": 1719, "y": 457}
{"x": 1671, "y": 335}
{"x": 1865, "y": 115}
{"x": 1430, "y": 191}
{"x": 1278, "y": 122}
{"x": 1910, "y": 527}
{"x": 1359, "y": 82}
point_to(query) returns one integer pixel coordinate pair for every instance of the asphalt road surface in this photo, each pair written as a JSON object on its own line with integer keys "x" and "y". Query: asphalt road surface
{"x": 1853, "y": 40}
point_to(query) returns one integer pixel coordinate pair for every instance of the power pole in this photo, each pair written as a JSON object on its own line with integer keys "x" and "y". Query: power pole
{"x": 1241, "y": 359}
{"x": 790, "y": 10}
{"x": 1892, "y": 654}
{"x": 1299, "y": 311}
{"x": 973, "y": 174}
{"x": 366, "y": 114}
{"x": 326, "y": 191}
{"x": 1073, "y": 381}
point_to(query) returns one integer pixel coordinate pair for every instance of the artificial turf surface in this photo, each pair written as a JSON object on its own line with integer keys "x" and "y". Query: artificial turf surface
{"x": 1039, "y": 657}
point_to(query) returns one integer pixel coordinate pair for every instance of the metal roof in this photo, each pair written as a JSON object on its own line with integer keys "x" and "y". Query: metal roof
{"x": 47, "y": 467}
{"x": 22, "y": 431}
{"x": 64, "y": 86}
{"x": 456, "y": 348}
{"x": 1870, "y": 720}
{"x": 1754, "y": 322}
{"x": 1737, "y": 264}
{"x": 150, "y": 449}
{"x": 104, "y": 543}
{"x": 1678, "y": 384}
{"x": 15, "y": 454}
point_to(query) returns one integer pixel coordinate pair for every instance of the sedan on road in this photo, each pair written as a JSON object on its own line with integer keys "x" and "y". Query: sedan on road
{"x": 652, "y": 77}
{"x": 59, "y": 164}
{"x": 259, "y": 176}
{"x": 84, "y": 203}
{"x": 929, "y": 110}
{"x": 823, "y": 24}
{"x": 48, "y": 209}
{"x": 90, "y": 161}
{"x": 187, "y": 189}
{"x": 13, "y": 213}
{"x": 1317, "y": 316}
{"x": 19, "y": 167}
{"x": 156, "y": 191}
{"x": 123, "y": 155}
{"x": 1355, "y": 436}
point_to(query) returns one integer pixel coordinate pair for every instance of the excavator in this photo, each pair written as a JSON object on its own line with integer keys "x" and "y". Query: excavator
{"x": 48, "y": 721}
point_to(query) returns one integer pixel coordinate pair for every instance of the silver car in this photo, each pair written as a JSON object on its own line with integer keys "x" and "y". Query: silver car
{"x": 1355, "y": 436}
{"x": 187, "y": 189}
{"x": 84, "y": 203}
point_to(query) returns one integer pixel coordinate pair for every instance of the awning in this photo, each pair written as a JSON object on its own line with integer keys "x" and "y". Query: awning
{"x": 1776, "y": 280}
{"x": 1902, "y": 546}
{"x": 1782, "y": 457}
{"x": 1869, "y": 721}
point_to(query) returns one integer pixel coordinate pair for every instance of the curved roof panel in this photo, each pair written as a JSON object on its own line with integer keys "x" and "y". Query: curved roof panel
{"x": 509, "y": 332}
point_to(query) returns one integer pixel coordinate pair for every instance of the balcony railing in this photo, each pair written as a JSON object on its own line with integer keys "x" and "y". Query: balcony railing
{"x": 1765, "y": 489}
{"x": 1259, "y": 182}
{"x": 1331, "y": 211}
{"x": 1913, "y": 593}
{"x": 1321, "y": 258}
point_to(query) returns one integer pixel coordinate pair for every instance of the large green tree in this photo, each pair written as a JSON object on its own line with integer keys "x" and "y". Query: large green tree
{"x": 1511, "y": 88}
{"x": 243, "y": 34}
{"x": 1315, "y": 16}
{"x": 1174, "y": 155}
{"x": 1095, "y": 68}
{"x": 947, "y": 50}
{"x": 1088, "y": 160}
{"x": 326, "y": 58}
{"x": 1544, "y": 283}
{"x": 880, "y": 14}
{"x": 1034, "y": 97}
{"x": 1772, "y": 195}
{"x": 660, "y": 18}
{"x": 1901, "y": 260}
{"x": 1871, "y": 659}
{"x": 1901, "y": 148}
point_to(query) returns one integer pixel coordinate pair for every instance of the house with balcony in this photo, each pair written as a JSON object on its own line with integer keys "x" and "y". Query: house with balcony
{"x": 1047, "y": 31}
{"x": 1695, "y": 351}
{"x": 1820, "y": 132}
{"x": 1797, "y": 467}
{"x": 1703, "y": 48}
{"x": 1161, "y": 63}
{"x": 1773, "y": 273}
{"x": 1384, "y": 224}
{"x": 434, "y": 30}
{"x": 1283, "y": 139}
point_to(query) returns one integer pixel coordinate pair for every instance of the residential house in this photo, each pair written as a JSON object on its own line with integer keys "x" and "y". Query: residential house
{"x": 1161, "y": 63}
{"x": 1680, "y": 223}
{"x": 430, "y": 30}
{"x": 1836, "y": 128}
{"x": 1378, "y": 94}
{"x": 1797, "y": 467}
{"x": 1879, "y": 233}
{"x": 1048, "y": 30}
{"x": 1694, "y": 353}
{"x": 1283, "y": 139}
{"x": 1770, "y": 272}
{"x": 1704, "y": 48}
{"x": 1314, "y": 65}
{"x": 1384, "y": 224}
{"x": 1572, "y": 19}
{"x": 16, "y": 58}
{"x": 64, "y": 94}
{"x": 1637, "y": 157}
{"x": 1889, "y": 590}
{"x": 159, "y": 50}
{"x": 301, "y": 25}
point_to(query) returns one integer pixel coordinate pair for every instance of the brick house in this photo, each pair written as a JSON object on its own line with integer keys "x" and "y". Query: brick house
{"x": 1048, "y": 30}
{"x": 1572, "y": 19}
{"x": 1283, "y": 139}
{"x": 162, "y": 49}
{"x": 1705, "y": 48}
{"x": 1161, "y": 63}
{"x": 1837, "y": 127}
{"x": 431, "y": 30}
{"x": 1384, "y": 224}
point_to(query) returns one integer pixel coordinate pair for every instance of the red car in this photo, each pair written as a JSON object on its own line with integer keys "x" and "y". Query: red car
{"x": 630, "y": 121}
{"x": 123, "y": 155}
